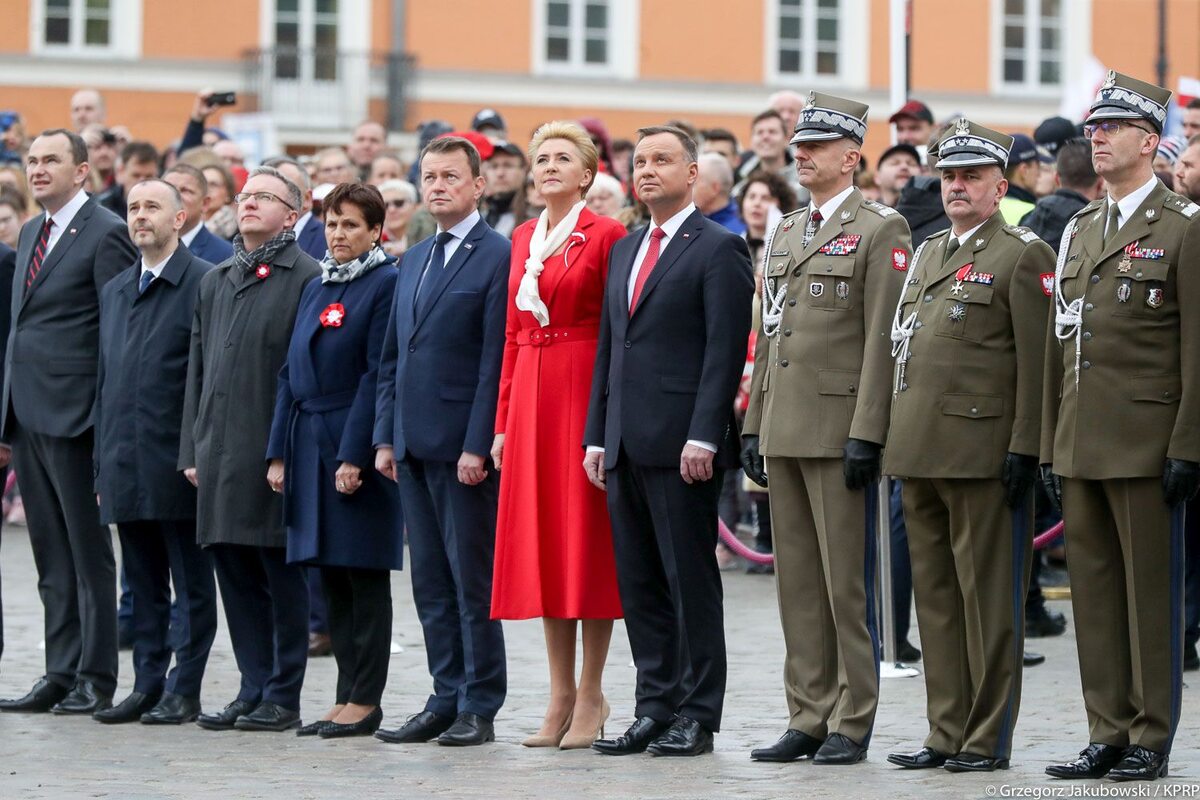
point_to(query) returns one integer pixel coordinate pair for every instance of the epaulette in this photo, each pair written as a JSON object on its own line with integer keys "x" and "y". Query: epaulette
{"x": 1182, "y": 206}
{"x": 879, "y": 208}
{"x": 1022, "y": 233}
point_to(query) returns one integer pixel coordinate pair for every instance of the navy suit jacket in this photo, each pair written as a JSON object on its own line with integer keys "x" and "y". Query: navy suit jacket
{"x": 669, "y": 372}
{"x": 210, "y": 247}
{"x": 439, "y": 375}
{"x": 311, "y": 238}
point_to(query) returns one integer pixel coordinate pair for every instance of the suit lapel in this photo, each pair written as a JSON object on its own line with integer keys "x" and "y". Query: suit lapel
{"x": 830, "y": 228}
{"x": 688, "y": 232}
{"x": 574, "y": 247}
{"x": 25, "y": 244}
{"x": 620, "y": 271}
{"x": 461, "y": 255}
{"x": 967, "y": 250}
{"x": 65, "y": 240}
{"x": 1137, "y": 226}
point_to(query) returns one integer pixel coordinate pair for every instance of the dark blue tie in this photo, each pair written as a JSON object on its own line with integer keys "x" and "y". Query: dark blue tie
{"x": 437, "y": 262}
{"x": 144, "y": 283}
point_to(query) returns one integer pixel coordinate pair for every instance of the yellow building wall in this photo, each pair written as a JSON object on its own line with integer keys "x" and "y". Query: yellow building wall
{"x": 218, "y": 30}
{"x": 470, "y": 35}
{"x": 951, "y": 47}
{"x": 14, "y": 33}
{"x": 685, "y": 41}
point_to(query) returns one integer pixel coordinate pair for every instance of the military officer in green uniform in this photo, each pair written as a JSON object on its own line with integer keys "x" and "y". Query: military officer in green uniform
{"x": 818, "y": 414}
{"x": 970, "y": 339}
{"x": 1121, "y": 426}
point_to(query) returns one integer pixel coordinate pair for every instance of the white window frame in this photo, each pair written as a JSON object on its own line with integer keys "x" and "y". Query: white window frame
{"x": 1075, "y": 34}
{"x": 854, "y": 57}
{"x": 353, "y": 25}
{"x": 623, "y": 27}
{"x": 124, "y": 31}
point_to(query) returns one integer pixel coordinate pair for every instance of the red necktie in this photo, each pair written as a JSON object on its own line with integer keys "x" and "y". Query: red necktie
{"x": 39, "y": 253}
{"x": 656, "y": 237}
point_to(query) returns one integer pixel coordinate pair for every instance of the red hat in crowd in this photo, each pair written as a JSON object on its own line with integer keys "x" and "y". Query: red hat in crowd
{"x": 482, "y": 143}
{"x": 913, "y": 109}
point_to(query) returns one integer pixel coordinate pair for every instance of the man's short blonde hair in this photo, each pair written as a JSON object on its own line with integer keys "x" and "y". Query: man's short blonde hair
{"x": 573, "y": 133}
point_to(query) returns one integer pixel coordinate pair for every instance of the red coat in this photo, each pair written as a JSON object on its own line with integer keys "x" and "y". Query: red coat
{"x": 554, "y": 553}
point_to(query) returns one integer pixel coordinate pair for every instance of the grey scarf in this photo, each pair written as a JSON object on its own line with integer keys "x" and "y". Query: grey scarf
{"x": 264, "y": 253}
{"x": 333, "y": 272}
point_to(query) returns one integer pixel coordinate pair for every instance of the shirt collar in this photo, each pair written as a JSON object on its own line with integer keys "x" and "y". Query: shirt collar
{"x": 62, "y": 218}
{"x": 300, "y": 223}
{"x": 156, "y": 269}
{"x": 1130, "y": 202}
{"x": 831, "y": 205}
{"x": 672, "y": 225}
{"x": 186, "y": 239}
{"x": 461, "y": 230}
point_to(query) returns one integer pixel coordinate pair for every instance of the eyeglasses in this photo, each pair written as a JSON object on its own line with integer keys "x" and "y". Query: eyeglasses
{"x": 1109, "y": 127}
{"x": 260, "y": 197}
{"x": 397, "y": 204}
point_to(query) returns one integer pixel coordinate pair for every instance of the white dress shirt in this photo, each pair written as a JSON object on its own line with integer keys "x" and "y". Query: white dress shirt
{"x": 156, "y": 269}
{"x": 186, "y": 239}
{"x": 459, "y": 232}
{"x": 1128, "y": 204}
{"x": 830, "y": 206}
{"x": 63, "y": 218}
{"x": 962, "y": 239}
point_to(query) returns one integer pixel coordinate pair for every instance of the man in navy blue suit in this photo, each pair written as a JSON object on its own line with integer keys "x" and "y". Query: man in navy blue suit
{"x": 438, "y": 383}
{"x": 660, "y": 430}
{"x": 310, "y": 230}
{"x": 193, "y": 188}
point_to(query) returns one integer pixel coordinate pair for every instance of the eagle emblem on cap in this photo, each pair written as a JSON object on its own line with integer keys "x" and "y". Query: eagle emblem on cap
{"x": 962, "y": 127}
{"x": 1110, "y": 80}
{"x": 812, "y": 100}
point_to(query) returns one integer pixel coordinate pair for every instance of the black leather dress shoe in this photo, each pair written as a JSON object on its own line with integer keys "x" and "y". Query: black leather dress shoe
{"x": 85, "y": 698}
{"x": 1139, "y": 764}
{"x": 684, "y": 738}
{"x": 173, "y": 709}
{"x": 925, "y": 758}
{"x": 641, "y": 733}
{"x": 268, "y": 717}
{"x": 223, "y": 720}
{"x": 419, "y": 728}
{"x": 1043, "y": 623}
{"x": 364, "y": 727}
{"x": 314, "y": 728}
{"x": 906, "y": 653}
{"x": 970, "y": 762}
{"x": 839, "y": 749}
{"x": 791, "y": 746}
{"x": 44, "y": 695}
{"x": 1032, "y": 659}
{"x": 1191, "y": 659}
{"x": 1094, "y": 762}
{"x": 128, "y": 710}
{"x": 468, "y": 730}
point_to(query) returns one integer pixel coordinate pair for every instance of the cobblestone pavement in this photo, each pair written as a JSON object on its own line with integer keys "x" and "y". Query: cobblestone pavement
{"x": 42, "y": 756}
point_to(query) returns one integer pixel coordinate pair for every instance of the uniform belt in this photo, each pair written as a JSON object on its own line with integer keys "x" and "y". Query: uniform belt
{"x": 326, "y": 403}
{"x": 543, "y": 337}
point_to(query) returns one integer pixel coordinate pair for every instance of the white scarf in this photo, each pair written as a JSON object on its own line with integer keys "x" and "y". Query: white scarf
{"x": 542, "y": 247}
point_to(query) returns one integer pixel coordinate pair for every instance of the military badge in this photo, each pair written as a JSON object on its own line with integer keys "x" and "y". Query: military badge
{"x": 1123, "y": 291}
{"x": 962, "y": 127}
{"x": 843, "y": 290}
{"x": 899, "y": 259}
{"x": 788, "y": 224}
{"x": 816, "y": 289}
{"x": 1124, "y": 264}
{"x": 841, "y": 245}
{"x": 1047, "y": 283}
{"x": 1147, "y": 253}
{"x": 1149, "y": 213}
{"x": 957, "y": 288}
{"x": 1154, "y": 297}
{"x": 1110, "y": 80}
{"x": 978, "y": 242}
{"x": 1190, "y": 210}
{"x": 958, "y": 312}
{"x": 845, "y": 215}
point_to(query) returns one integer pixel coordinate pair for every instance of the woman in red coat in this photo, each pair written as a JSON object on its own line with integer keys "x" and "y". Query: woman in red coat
{"x": 554, "y": 554}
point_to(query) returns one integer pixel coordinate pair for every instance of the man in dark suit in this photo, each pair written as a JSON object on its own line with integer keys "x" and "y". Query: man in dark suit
{"x": 660, "y": 429}
{"x": 438, "y": 384}
{"x": 195, "y": 236}
{"x": 240, "y": 334}
{"x": 8, "y": 265}
{"x": 66, "y": 256}
{"x": 310, "y": 230}
{"x": 145, "y": 338}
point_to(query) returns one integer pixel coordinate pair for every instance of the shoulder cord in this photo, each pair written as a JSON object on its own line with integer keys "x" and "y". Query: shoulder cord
{"x": 772, "y": 301}
{"x": 1068, "y": 317}
{"x": 902, "y": 331}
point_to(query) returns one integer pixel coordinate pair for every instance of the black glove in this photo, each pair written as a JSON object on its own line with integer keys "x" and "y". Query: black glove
{"x": 860, "y": 464}
{"x": 752, "y": 462}
{"x": 1053, "y": 485}
{"x": 1018, "y": 475}
{"x": 1181, "y": 479}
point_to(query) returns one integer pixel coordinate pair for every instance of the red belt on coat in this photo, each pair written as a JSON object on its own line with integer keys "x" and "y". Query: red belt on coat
{"x": 543, "y": 337}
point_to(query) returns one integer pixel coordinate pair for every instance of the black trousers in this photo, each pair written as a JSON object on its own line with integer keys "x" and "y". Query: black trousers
{"x": 664, "y": 536}
{"x": 266, "y": 609}
{"x": 359, "y": 602}
{"x": 73, "y": 552}
{"x": 156, "y": 554}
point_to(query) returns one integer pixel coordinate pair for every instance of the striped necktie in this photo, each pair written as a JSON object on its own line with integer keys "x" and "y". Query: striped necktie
{"x": 39, "y": 253}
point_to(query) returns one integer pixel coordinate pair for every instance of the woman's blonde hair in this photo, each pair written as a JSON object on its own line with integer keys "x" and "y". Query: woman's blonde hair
{"x": 573, "y": 133}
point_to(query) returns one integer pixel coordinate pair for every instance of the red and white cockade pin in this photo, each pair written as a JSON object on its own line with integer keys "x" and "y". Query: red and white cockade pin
{"x": 333, "y": 315}
{"x": 263, "y": 271}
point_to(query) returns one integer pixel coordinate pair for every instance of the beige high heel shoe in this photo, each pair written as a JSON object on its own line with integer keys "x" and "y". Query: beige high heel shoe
{"x": 538, "y": 740}
{"x": 581, "y": 742}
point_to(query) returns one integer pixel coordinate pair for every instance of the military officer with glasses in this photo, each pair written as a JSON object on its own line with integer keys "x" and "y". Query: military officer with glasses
{"x": 969, "y": 339}
{"x": 1121, "y": 433}
{"x": 818, "y": 415}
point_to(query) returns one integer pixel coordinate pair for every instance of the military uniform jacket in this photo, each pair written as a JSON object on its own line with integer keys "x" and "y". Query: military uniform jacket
{"x": 826, "y": 375}
{"x": 1135, "y": 400}
{"x": 972, "y": 384}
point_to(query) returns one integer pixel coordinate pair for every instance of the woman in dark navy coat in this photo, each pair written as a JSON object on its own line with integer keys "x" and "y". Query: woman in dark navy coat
{"x": 341, "y": 515}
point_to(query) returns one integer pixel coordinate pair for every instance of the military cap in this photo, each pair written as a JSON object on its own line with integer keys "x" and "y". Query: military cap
{"x": 827, "y": 117}
{"x": 967, "y": 144}
{"x": 1123, "y": 97}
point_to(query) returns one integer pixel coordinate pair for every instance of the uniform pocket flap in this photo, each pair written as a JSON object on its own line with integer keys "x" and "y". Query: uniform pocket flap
{"x": 679, "y": 385}
{"x": 1156, "y": 388}
{"x": 71, "y": 366}
{"x": 778, "y": 266}
{"x": 1148, "y": 271}
{"x": 837, "y": 382}
{"x": 976, "y": 293}
{"x": 841, "y": 266}
{"x": 974, "y": 406}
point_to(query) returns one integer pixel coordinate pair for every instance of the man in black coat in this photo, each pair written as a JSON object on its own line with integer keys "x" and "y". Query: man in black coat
{"x": 145, "y": 337}
{"x": 920, "y": 204}
{"x": 65, "y": 257}
{"x": 8, "y": 265}
{"x": 660, "y": 428}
